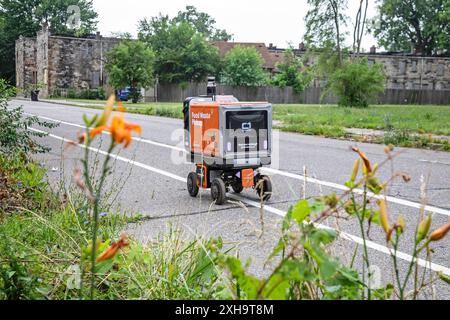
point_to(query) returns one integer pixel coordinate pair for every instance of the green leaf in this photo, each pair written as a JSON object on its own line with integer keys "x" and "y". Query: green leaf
{"x": 247, "y": 283}
{"x": 301, "y": 211}
{"x": 323, "y": 236}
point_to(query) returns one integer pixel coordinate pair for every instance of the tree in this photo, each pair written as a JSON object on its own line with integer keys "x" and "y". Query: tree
{"x": 202, "y": 23}
{"x": 244, "y": 67}
{"x": 324, "y": 21}
{"x": 422, "y": 24}
{"x": 359, "y": 27}
{"x": 130, "y": 64}
{"x": 25, "y": 17}
{"x": 182, "y": 53}
{"x": 356, "y": 83}
{"x": 292, "y": 73}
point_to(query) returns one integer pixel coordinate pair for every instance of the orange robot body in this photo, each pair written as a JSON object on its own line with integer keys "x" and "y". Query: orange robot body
{"x": 228, "y": 141}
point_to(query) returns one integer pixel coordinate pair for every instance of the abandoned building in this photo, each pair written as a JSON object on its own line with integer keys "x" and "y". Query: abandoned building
{"x": 61, "y": 63}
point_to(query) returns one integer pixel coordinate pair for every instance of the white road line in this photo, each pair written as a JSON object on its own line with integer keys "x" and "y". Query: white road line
{"x": 105, "y": 132}
{"x": 343, "y": 235}
{"x": 435, "y": 162}
{"x": 358, "y": 191}
{"x": 399, "y": 201}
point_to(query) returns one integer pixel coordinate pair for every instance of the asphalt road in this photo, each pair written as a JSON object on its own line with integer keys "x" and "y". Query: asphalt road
{"x": 155, "y": 187}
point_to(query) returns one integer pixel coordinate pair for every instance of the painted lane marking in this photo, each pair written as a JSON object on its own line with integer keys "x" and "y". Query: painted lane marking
{"x": 105, "y": 132}
{"x": 333, "y": 185}
{"x": 343, "y": 235}
{"x": 358, "y": 191}
{"x": 435, "y": 162}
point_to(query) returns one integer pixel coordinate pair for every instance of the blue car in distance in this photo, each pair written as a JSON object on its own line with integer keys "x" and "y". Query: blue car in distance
{"x": 123, "y": 94}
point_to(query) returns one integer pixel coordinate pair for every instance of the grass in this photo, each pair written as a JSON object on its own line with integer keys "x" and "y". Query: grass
{"x": 44, "y": 248}
{"x": 332, "y": 119}
{"x": 412, "y": 122}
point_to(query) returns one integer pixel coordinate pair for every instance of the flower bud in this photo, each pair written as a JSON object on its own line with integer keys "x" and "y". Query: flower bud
{"x": 355, "y": 170}
{"x": 106, "y": 112}
{"x": 423, "y": 229}
{"x": 440, "y": 233}
{"x": 384, "y": 216}
{"x": 401, "y": 223}
{"x": 375, "y": 168}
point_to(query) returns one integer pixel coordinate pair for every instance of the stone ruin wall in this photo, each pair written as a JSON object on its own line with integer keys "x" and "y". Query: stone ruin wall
{"x": 409, "y": 72}
{"x": 62, "y": 63}
{"x": 26, "y": 68}
{"x": 77, "y": 63}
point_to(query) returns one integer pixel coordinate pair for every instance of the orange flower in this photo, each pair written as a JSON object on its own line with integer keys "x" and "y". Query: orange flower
{"x": 98, "y": 130}
{"x": 120, "y": 107}
{"x": 135, "y": 127}
{"x": 113, "y": 249}
{"x": 119, "y": 129}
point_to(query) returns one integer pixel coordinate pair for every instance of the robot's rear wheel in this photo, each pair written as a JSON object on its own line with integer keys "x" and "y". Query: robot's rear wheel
{"x": 264, "y": 188}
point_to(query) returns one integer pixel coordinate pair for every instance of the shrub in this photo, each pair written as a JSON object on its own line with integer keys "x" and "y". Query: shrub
{"x": 357, "y": 83}
{"x": 292, "y": 73}
{"x": 72, "y": 93}
{"x": 15, "y": 135}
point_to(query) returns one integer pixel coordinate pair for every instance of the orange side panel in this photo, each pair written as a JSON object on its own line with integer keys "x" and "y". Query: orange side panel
{"x": 247, "y": 178}
{"x": 205, "y": 129}
{"x": 202, "y": 180}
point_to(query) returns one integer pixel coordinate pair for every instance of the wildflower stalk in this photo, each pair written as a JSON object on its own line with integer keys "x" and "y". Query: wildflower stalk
{"x": 120, "y": 133}
{"x": 366, "y": 252}
{"x": 96, "y": 217}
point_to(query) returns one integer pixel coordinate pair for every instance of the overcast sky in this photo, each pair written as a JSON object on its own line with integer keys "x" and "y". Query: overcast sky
{"x": 270, "y": 21}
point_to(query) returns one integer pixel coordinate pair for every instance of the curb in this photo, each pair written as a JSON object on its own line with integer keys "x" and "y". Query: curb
{"x": 65, "y": 103}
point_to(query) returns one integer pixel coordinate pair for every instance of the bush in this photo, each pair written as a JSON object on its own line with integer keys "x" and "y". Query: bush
{"x": 357, "y": 83}
{"x": 21, "y": 184}
{"x": 72, "y": 93}
{"x": 292, "y": 73}
{"x": 15, "y": 136}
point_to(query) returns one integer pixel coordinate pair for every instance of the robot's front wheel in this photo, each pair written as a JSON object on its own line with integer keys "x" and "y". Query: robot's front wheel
{"x": 218, "y": 191}
{"x": 192, "y": 184}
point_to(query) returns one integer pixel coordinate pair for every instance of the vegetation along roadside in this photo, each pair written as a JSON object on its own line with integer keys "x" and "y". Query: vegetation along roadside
{"x": 401, "y": 125}
{"x": 70, "y": 244}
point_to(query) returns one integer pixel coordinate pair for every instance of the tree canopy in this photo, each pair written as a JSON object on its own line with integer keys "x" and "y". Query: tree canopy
{"x": 244, "y": 67}
{"x": 423, "y": 24}
{"x": 130, "y": 64}
{"x": 182, "y": 53}
{"x": 25, "y": 17}
{"x": 325, "y": 20}
{"x": 292, "y": 73}
{"x": 202, "y": 23}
